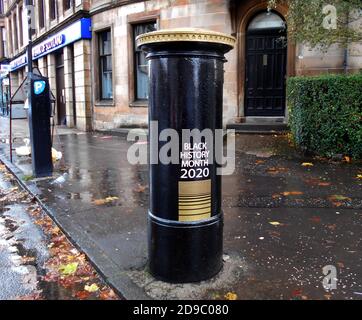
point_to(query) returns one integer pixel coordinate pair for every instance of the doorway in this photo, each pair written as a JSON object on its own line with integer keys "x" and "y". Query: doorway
{"x": 60, "y": 87}
{"x": 265, "y": 65}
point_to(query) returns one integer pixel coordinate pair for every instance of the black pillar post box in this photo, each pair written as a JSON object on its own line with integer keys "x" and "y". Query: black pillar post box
{"x": 39, "y": 125}
{"x": 185, "y": 222}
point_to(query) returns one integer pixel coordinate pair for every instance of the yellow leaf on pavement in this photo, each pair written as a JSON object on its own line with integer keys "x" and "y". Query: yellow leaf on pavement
{"x": 292, "y": 193}
{"x": 275, "y": 223}
{"x": 68, "y": 269}
{"x": 99, "y": 202}
{"x": 307, "y": 164}
{"x": 92, "y": 288}
{"x": 231, "y": 296}
{"x": 359, "y": 176}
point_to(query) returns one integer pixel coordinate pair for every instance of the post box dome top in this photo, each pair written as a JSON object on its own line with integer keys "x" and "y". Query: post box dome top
{"x": 185, "y": 35}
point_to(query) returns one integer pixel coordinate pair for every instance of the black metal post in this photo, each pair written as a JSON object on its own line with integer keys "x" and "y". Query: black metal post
{"x": 29, "y": 53}
{"x": 185, "y": 221}
{"x": 38, "y": 113}
{"x": 2, "y": 99}
{"x": 10, "y": 119}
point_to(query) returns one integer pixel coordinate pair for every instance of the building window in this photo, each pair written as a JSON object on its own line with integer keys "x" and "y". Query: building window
{"x": 1, "y": 6}
{"x": 21, "y": 25}
{"x": 10, "y": 33}
{"x": 105, "y": 65}
{"x": 52, "y": 9}
{"x": 41, "y": 13}
{"x": 140, "y": 63}
{"x": 15, "y": 26}
{"x": 67, "y": 4}
{"x": 3, "y": 44}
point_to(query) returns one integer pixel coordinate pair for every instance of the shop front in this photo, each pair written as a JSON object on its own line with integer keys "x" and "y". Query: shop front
{"x": 63, "y": 57}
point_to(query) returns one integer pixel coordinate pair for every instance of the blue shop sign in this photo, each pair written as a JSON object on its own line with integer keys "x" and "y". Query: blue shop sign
{"x": 74, "y": 32}
{"x": 52, "y": 43}
{"x": 18, "y": 62}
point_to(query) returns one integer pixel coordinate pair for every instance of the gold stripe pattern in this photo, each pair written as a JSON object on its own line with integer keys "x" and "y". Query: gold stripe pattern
{"x": 185, "y": 34}
{"x": 194, "y": 200}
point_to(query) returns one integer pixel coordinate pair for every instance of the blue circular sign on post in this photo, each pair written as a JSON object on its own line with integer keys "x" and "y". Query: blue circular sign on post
{"x": 39, "y": 86}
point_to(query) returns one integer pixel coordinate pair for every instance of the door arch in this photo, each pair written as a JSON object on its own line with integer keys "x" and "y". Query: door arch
{"x": 245, "y": 11}
{"x": 265, "y": 65}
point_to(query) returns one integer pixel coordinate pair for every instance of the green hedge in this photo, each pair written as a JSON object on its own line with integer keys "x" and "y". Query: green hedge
{"x": 325, "y": 114}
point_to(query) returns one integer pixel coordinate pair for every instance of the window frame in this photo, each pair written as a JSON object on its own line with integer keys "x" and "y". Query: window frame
{"x": 132, "y": 20}
{"x": 10, "y": 36}
{"x": 15, "y": 31}
{"x": 65, "y": 8}
{"x": 99, "y": 66}
{"x": 53, "y": 9}
{"x": 41, "y": 14}
{"x": 21, "y": 13}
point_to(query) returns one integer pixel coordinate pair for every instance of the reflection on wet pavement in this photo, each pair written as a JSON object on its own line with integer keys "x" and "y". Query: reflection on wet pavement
{"x": 284, "y": 220}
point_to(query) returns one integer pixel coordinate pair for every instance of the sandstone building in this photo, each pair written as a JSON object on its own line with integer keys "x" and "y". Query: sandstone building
{"x": 99, "y": 78}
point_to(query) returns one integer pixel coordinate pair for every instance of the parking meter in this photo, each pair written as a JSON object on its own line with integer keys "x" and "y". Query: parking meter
{"x": 39, "y": 113}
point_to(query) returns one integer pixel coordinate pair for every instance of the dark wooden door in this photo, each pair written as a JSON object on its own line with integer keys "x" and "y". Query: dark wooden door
{"x": 61, "y": 111}
{"x": 266, "y": 54}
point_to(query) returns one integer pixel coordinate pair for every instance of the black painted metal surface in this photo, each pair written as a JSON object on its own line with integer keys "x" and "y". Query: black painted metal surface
{"x": 185, "y": 223}
{"x": 39, "y": 127}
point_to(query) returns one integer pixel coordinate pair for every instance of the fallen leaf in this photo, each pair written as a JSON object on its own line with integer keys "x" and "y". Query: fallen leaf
{"x": 54, "y": 230}
{"x": 339, "y": 197}
{"x": 275, "y": 170}
{"x": 337, "y": 203}
{"x": 324, "y": 184}
{"x": 297, "y": 293}
{"x": 359, "y": 176}
{"x": 92, "y": 288}
{"x": 231, "y": 296}
{"x": 275, "y": 223}
{"x": 27, "y": 260}
{"x": 32, "y": 296}
{"x": 259, "y": 161}
{"x": 347, "y": 159}
{"x": 108, "y": 295}
{"x": 340, "y": 265}
{"x": 140, "y": 189}
{"x": 292, "y": 193}
{"x": 332, "y": 227}
{"x": 274, "y": 234}
{"x": 69, "y": 269}
{"x": 317, "y": 182}
{"x": 82, "y": 295}
{"x": 307, "y": 164}
{"x": 99, "y": 202}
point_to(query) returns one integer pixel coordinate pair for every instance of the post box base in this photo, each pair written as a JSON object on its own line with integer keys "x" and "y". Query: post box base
{"x": 185, "y": 252}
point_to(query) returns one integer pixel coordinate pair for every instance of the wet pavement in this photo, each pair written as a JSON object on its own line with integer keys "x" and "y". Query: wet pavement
{"x": 18, "y": 241}
{"x": 286, "y": 217}
{"x": 33, "y": 252}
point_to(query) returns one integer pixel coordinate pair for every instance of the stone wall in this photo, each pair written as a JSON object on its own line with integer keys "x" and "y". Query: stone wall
{"x": 213, "y": 15}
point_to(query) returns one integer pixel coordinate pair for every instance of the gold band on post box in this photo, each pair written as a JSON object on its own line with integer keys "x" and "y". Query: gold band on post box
{"x": 187, "y": 35}
{"x": 194, "y": 200}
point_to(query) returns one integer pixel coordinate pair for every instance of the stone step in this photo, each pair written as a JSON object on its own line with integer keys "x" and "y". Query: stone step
{"x": 259, "y": 128}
